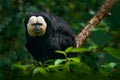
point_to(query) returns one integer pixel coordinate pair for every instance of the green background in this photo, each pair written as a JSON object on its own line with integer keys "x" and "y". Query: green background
{"x": 76, "y": 12}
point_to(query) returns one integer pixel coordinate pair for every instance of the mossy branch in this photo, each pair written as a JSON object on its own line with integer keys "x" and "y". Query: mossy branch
{"x": 102, "y": 12}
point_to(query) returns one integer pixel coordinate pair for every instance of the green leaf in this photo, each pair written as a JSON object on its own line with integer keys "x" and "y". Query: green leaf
{"x": 79, "y": 50}
{"x": 66, "y": 67}
{"x": 18, "y": 66}
{"x": 99, "y": 29}
{"x": 68, "y": 49}
{"x": 114, "y": 52}
{"x": 39, "y": 70}
{"x": 79, "y": 68}
{"x": 93, "y": 47}
{"x": 77, "y": 60}
{"x": 94, "y": 29}
{"x": 23, "y": 67}
{"x": 112, "y": 64}
{"x": 61, "y": 52}
{"x": 109, "y": 65}
{"x": 54, "y": 68}
{"x": 51, "y": 66}
{"x": 58, "y": 61}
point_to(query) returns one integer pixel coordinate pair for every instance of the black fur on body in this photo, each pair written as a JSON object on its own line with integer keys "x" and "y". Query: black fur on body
{"x": 58, "y": 36}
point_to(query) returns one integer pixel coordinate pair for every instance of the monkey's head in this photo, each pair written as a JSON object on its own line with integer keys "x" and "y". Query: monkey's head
{"x": 35, "y": 24}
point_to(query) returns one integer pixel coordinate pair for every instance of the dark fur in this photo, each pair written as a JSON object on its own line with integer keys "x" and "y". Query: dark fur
{"x": 58, "y": 36}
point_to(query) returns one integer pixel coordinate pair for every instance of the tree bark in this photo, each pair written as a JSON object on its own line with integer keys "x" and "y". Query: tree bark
{"x": 102, "y": 12}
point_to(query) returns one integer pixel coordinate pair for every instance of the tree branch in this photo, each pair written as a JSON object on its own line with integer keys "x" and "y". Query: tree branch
{"x": 102, "y": 12}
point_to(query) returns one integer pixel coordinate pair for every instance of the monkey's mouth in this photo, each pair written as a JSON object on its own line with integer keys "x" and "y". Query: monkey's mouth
{"x": 37, "y": 30}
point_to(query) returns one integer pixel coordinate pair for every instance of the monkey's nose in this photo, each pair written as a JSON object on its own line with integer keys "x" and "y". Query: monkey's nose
{"x": 37, "y": 29}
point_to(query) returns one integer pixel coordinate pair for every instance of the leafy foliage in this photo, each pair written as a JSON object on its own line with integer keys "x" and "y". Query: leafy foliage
{"x": 98, "y": 58}
{"x": 114, "y": 52}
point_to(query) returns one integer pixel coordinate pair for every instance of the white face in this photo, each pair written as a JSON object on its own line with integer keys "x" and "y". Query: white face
{"x": 41, "y": 27}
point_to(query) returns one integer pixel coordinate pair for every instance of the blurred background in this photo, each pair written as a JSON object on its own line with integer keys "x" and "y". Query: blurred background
{"x": 75, "y": 12}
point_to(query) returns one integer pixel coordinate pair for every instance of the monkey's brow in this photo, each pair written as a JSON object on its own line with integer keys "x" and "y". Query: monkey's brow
{"x": 37, "y": 24}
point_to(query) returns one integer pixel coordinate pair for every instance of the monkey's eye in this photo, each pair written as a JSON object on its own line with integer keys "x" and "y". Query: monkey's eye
{"x": 37, "y": 24}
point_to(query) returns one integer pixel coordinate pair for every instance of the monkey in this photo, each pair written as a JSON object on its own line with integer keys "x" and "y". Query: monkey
{"x": 45, "y": 33}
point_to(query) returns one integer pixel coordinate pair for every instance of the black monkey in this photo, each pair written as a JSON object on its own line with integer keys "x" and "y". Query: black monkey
{"x": 46, "y": 33}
